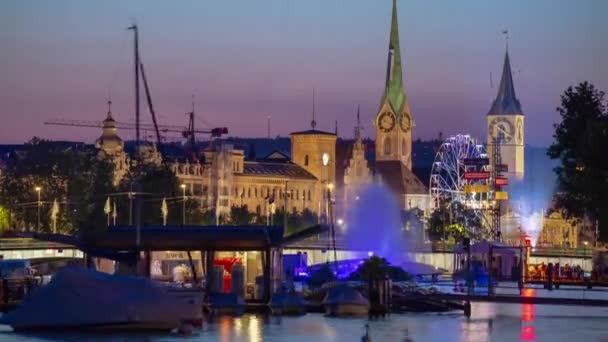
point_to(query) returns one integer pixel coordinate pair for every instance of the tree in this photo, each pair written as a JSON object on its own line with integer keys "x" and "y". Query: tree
{"x": 378, "y": 268}
{"x": 240, "y": 216}
{"x": 580, "y": 143}
{"x": 321, "y": 276}
{"x": 69, "y": 174}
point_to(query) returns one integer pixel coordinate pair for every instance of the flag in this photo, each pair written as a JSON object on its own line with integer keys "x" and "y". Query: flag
{"x": 164, "y": 209}
{"x": 114, "y": 212}
{"x": 54, "y": 210}
{"x": 107, "y": 209}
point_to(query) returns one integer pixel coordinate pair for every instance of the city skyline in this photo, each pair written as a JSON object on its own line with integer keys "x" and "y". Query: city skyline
{"x": 56, "y": 70}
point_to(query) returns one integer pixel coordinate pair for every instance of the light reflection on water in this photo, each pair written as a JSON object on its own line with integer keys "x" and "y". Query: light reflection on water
{"x": 489, "y": 322}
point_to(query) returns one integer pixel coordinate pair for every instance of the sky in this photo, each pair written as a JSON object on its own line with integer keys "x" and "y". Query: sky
{"x": 245, "y": 60}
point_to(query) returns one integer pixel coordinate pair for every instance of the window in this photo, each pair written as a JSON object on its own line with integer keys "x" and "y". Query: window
{"x": 306, "y": 160}
{"x": 404, "y": 147}
{"x": 249, "y": 192}
{"x": 387, "y": 146}
{"x": 309, "y": 195}
{"x": 256, "y": 192}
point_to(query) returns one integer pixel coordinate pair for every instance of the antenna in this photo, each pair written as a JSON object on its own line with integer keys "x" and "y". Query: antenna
{"x": 506, "y": 33}
{"x": 313, "y": 123}
{"x": 358, "y": 126}
{"x": 336, "y": 127}
{"x": 268, "y": 125}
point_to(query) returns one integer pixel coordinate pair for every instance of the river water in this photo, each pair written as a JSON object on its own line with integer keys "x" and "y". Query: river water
{"x": 489, "y": 322}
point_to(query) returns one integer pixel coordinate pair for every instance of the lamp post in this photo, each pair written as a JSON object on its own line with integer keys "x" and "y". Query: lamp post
{"x": 183, "y": 186}
{"x": 38, "y": 189}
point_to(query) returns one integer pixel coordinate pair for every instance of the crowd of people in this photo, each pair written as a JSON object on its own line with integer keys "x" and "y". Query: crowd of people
{"x": 565, "y": 272}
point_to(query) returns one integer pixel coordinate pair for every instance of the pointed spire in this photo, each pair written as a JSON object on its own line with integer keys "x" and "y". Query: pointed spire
{"x": 394, "y": 92}
{"x": 506, "y": 102}
{"x": 313, "y": 123}
{"x": 336, "y": 127}
{"x": 358, "y": 127}
{"x": 109, "y": 109}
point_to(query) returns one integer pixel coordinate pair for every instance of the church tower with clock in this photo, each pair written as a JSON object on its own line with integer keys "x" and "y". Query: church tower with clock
{"x": 505, "y": 125}
{"x": 394, "y": 119}
{"x": 393, "y": 123}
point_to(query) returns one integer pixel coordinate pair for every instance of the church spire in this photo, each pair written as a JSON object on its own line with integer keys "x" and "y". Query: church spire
{"x": 313, "y": 123}
{"x": 394, "y": 92}
{"x": 506, "y": 102}
{"x": 358, "y": 127}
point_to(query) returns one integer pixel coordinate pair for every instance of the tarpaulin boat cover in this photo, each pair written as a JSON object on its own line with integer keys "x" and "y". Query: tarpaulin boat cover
{"x": 78, "y": 297}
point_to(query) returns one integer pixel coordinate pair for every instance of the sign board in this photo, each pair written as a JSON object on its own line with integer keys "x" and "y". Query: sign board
{"x": 476, "y": 188}
{"x": 476, "y": 175}
{"x": 501, "y": 195}
{"x": 476, "y": 161}
{"x": 502, "y": 168}
{"x": 502, "y": 181}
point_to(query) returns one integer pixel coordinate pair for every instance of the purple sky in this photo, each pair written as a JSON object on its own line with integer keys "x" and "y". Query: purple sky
{"x": 246, "y": 59}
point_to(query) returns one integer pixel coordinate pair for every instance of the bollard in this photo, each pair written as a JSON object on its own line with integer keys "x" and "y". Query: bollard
{"x": 467, "y": 309}
{"x": 550, "y": 277}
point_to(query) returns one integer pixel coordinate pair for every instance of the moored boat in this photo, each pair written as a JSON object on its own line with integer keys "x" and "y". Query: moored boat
{"x": 344, "y": 300}
{"x": 78, "y": 299}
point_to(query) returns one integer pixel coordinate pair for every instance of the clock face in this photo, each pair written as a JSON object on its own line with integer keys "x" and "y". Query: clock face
{"x": 502, "y": 130}
{"x": 406, "y": 123}
{"x": 386, "y": 121}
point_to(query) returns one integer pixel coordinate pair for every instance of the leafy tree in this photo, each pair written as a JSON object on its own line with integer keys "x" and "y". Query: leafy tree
{"x": 580, "y": 143}
{"x": 240, "y": 216}
{"x": 68, "y": 174}
{"x": 321, "y": 276}
{"x": 378, "y": 268}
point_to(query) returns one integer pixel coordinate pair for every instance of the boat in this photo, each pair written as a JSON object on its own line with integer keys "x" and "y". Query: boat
{"x": 288, "y": 303}
{"x": 344, "y": 300}
{"x": 84, "y": 299}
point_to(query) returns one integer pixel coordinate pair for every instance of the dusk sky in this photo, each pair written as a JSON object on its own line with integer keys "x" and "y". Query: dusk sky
{"x": 244, "y": 60}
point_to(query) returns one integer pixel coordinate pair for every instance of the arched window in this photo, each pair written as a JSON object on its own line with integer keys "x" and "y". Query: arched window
{"x": 387, "y": 146}
{"x": 306, "y": 160}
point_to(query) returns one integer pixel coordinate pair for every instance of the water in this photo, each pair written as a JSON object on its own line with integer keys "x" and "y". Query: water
{"x": 374, "y": 224}
{"x": 489, "y": 322}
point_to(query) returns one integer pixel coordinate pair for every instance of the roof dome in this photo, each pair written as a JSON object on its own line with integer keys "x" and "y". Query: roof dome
{"x": 109, "y": 141}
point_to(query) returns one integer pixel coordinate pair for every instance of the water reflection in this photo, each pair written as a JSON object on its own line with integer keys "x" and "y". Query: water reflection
{"x": 527, "y": 317}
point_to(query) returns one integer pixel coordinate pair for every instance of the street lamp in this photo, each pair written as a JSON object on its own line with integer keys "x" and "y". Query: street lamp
{"x": 38, "y": 189}
{"x": 183, "y": 186}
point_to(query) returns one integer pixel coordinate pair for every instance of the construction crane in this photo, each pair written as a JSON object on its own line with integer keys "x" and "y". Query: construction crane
{"x": 186, "y": 132}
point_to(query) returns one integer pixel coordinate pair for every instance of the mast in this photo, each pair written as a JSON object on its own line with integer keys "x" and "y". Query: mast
{"x": 136, "y": 66}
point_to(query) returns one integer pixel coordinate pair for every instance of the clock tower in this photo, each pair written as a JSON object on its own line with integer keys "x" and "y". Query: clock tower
{"x": 505, "y": 124}
{"x": 393, "y": 122}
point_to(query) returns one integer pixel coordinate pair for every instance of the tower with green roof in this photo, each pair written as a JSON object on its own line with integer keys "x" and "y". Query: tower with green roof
{"x": 394, "y": 119}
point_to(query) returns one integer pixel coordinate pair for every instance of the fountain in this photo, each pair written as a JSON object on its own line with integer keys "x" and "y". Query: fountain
{"x": 374, "y": 225}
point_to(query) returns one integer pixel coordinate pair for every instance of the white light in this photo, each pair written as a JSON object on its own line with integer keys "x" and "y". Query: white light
{"x": 370, "y": 254}
{"x": 340, "y": 221}
{"x": 325, "y": 159}
{"x": 357, "y": 198}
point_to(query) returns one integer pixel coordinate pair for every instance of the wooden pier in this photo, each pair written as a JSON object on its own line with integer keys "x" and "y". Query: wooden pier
{"x": 516, "y": 299}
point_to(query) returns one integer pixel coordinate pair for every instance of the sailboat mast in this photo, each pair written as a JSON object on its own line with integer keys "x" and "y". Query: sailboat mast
{"x": 136, "y": 66}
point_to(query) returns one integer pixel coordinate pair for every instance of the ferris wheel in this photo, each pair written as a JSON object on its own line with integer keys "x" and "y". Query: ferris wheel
{"x": 456, "y": 157}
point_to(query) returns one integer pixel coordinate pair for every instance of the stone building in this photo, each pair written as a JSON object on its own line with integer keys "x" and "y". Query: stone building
{"x": 307, "y": 179}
